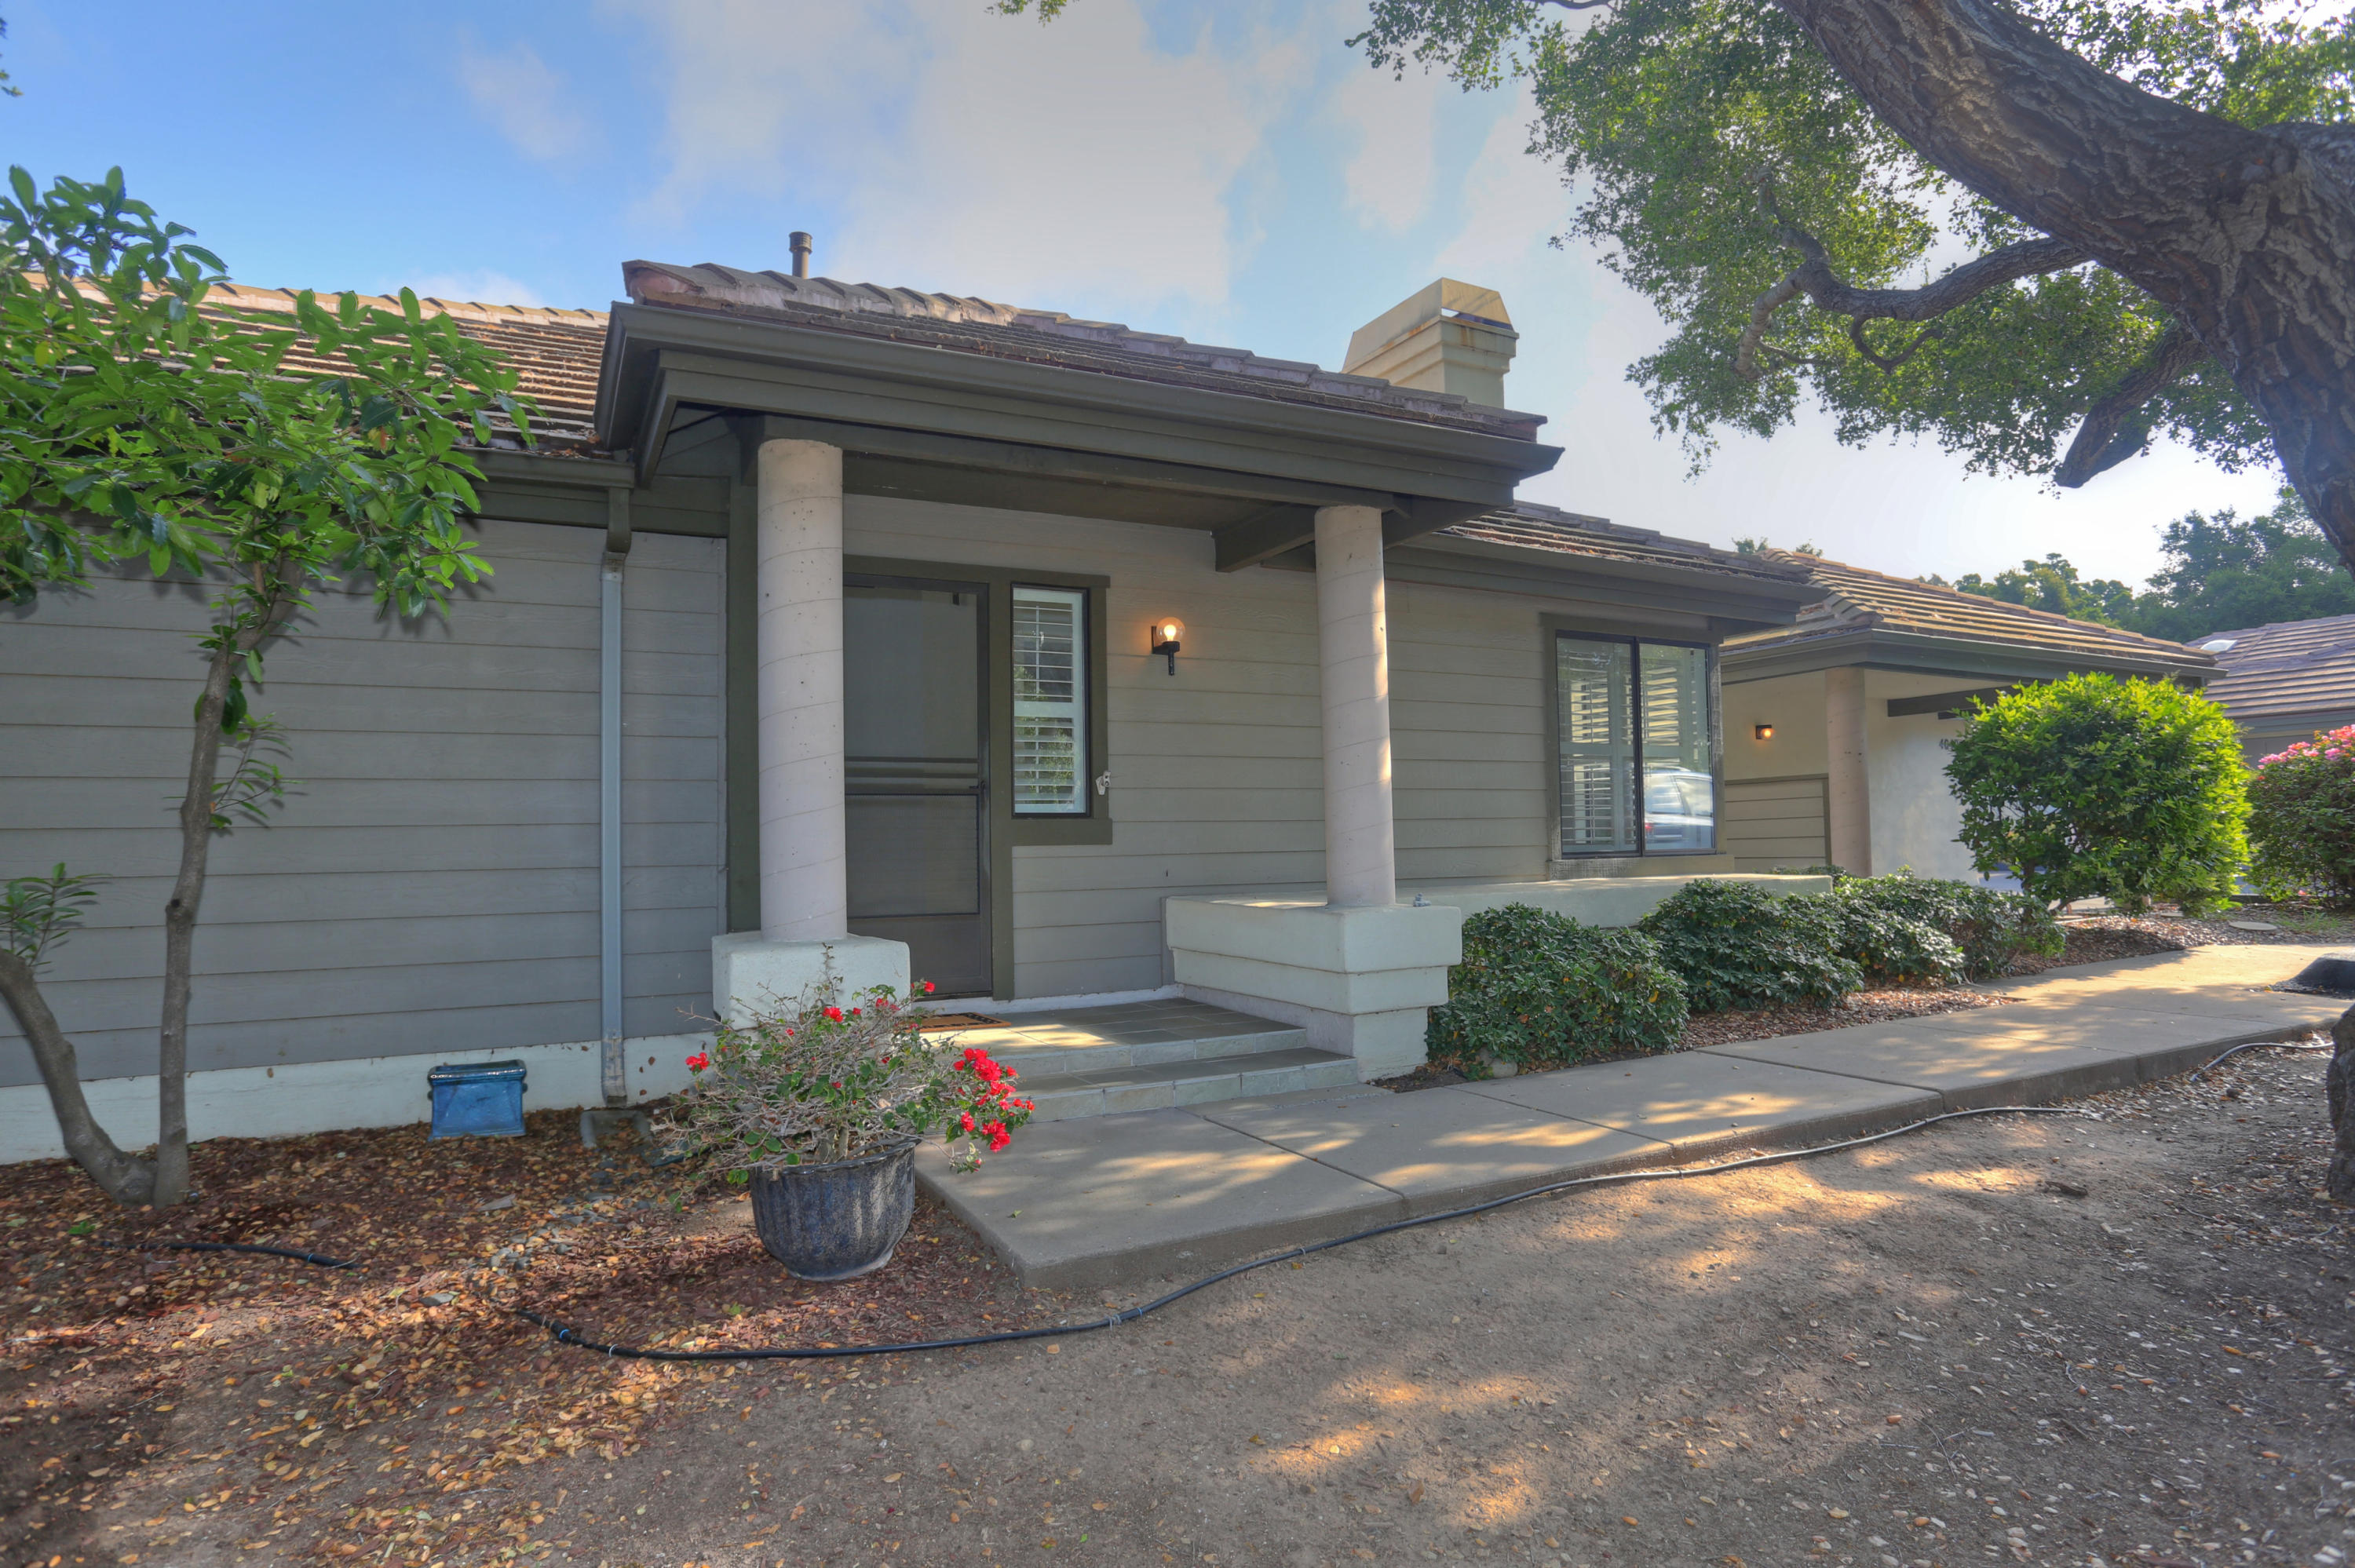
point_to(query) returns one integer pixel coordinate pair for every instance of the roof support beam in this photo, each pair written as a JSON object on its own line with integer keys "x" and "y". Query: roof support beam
{"x": 1945, "y": 702}
{"x": 1272, "y": 532}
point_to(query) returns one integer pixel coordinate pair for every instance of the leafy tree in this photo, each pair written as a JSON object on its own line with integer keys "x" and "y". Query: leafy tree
{"x": 2158, "y": 199}
{"x": 142, "y": 424}
{"x": 2221, "y": 573}
{"x": 1749, "y": 546}
{"x": 2052, "y": 584}
{"x": 2224, "y": 573}
{"x": 2094, "y": 787}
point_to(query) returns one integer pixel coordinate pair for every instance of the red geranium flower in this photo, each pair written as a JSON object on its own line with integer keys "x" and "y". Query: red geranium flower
{"x": 700, "y": 1060}
{"x": 928, "y": 988}
{"x": 835, "y": 1013}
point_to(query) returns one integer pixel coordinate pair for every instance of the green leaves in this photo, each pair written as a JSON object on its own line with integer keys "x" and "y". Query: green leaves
{"x": 1736, "y": 944}
{"x": 1542, "y": 990}
{"x": 1674, "y": 117}
{"x": 2094, "y": 787}
{"x": 38, "y": 912}
{"x": 142, "y": 418}
{"x": 2301, "y": 819}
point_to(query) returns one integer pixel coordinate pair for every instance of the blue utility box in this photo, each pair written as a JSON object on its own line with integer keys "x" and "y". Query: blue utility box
{"x": 481, "y": 1100}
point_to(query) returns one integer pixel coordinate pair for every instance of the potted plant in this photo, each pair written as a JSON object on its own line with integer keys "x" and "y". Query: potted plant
{"x": 819, "y": 1107}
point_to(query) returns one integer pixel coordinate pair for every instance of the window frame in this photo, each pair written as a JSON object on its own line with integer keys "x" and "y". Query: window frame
{"x": 1084, "y": 669}
{"x": 1556, "y": 628}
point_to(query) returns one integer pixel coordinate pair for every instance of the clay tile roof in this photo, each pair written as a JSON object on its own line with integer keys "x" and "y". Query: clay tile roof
{"x": 2291, "y": 667}
{"x": 556, "y": 352}
{"x": 1529, "y": 525}
{"x": 1857, "y": 599}
{"x": 1050, "y": 338}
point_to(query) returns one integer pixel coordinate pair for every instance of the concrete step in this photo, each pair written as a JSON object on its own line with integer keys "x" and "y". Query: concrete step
{"x": 1104, "y": 1089}
{"x": 1129, "y": 1034}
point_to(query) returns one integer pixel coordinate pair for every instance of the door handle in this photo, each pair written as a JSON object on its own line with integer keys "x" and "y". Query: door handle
{"x": 1104, "y": 783}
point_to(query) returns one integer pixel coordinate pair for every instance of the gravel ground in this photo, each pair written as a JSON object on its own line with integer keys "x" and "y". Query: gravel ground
{"x": 2115, "y": 1338}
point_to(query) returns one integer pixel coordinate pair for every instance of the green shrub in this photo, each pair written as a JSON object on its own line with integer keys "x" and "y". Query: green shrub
{"x": 2301, "y": 819}
{"x": 2094, "y": 787}
{"x": 1542, "y": 991}
{"x": 1736, "y": 944}
{"x": 1909, "y": 929}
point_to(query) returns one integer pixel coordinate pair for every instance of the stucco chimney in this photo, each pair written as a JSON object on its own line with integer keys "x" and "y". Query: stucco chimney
{"x": 1449, "y": 337}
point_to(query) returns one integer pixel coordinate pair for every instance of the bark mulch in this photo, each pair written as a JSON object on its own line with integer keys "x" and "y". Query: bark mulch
{"x": 2094, "y": 938}
{"x": 392, "y": 1412}
{"x": 1863, "y": 1007}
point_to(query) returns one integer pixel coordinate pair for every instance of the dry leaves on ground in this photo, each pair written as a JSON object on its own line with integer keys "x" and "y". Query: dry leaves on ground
{"x": 392, "y": 1411}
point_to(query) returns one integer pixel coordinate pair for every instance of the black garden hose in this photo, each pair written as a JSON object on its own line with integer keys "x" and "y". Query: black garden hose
{"x": 566, "y": 1335}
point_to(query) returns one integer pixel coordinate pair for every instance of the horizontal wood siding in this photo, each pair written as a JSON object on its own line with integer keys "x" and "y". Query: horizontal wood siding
{"x": 1219, "y": 769}
{"x": 430, "y": 885}
{"x": 1776, "y": 823}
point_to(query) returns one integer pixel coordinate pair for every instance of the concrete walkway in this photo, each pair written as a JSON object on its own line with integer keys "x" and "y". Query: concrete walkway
{"x": 1118, "y": 1201}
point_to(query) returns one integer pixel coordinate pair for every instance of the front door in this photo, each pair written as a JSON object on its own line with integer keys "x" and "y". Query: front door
{"x": 916, "y": 750}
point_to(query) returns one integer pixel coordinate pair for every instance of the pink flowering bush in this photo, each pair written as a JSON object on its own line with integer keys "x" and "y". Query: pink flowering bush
{"x": 818, "y": 1081}
{"x": 2301, "y": 819}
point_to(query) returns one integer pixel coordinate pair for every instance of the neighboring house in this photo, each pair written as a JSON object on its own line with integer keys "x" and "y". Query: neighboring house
{"x": 2281, "y": 683}
{"x": 1834, "y": 728}
{"x": 928, "y": 636}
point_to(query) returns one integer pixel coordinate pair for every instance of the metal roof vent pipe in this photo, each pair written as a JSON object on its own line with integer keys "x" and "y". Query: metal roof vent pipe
{"x": 801, "y": 244}
{"x": 1449, "y": 337}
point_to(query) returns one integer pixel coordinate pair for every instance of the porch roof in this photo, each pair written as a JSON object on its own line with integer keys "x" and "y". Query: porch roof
{"x": 1049, "y": 337}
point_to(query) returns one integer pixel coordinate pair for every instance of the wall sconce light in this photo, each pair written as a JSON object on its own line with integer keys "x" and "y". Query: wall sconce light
{"x": 1166, "y": 633}
{"x": 1762, "y": 731}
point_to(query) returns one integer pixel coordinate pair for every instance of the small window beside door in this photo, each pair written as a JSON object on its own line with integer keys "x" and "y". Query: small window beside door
{"x": 1050, "y": 702}
{"x": 1637, "y": 763}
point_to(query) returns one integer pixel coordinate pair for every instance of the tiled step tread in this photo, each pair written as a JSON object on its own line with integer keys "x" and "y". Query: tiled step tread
{"x": 1039, "y": 1060}
{"x": 1178, "y": 1072}
{"x": 1060, "y": 1096}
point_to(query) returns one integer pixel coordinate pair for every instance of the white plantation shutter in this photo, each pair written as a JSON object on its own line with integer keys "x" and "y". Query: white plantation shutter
{"x": 1050, "y": 702}
{"x": 1593, "y": 684}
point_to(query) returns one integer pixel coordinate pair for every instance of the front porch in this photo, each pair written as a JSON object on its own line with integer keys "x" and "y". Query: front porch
{"x": 1151, "y": 1055}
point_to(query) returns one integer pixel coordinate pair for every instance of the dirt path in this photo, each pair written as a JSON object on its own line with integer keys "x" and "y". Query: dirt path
{"x": 2049, "y": 1339}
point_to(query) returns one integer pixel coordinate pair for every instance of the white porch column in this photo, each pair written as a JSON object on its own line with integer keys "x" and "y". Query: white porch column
{"x": 804, "y": 893}
{"x": 805, "y": 888}
{"x": 1353, "y": 645}
{"x": 1848, "y": 784}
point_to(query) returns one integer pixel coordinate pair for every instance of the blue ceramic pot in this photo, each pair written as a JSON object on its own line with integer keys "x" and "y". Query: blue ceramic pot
{"x": 838, "y": 1220}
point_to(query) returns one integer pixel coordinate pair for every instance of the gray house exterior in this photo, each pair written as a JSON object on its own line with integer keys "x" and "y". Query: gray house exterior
{"x": 545, "y": 824}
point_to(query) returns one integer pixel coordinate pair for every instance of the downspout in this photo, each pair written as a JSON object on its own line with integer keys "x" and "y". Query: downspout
{"x": 613, "y": 1076}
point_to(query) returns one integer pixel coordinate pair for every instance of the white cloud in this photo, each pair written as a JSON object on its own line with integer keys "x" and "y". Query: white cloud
{"x": 1388, "y": 179}
{"x": 762, "y": 97}
{"x": 473, "y": 288}
{"x": 1079, "y": 164}
{"x": 1074, "y": 165}
{"x": 515, "y": 92}
{"x": 1512, "y": 206}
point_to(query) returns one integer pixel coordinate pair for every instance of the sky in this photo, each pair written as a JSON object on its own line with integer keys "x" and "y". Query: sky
{"x": 1232, "y": 173}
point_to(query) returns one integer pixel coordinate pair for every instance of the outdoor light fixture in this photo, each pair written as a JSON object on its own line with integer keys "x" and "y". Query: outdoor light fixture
{"x": 1762, "y": 731}
{"x": 1166, "y": 633}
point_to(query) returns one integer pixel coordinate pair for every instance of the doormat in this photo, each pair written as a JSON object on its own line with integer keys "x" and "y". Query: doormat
{"x": 961, "y": 1021}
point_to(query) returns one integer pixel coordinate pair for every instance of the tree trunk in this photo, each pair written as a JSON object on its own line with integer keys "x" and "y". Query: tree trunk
{"x": 2244, "y": 234}
{"x": 125, "y": 1180}
{"x": 180, "y": 935}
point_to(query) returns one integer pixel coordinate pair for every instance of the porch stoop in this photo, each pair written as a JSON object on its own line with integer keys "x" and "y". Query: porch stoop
{"x": 1152, "y": 1055}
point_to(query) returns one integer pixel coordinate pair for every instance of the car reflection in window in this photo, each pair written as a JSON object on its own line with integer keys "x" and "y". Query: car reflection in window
{"x": 1679, "y": 809}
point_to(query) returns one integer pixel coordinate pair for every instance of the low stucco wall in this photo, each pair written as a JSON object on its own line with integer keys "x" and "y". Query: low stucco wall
{"x": 1619, "y": 900}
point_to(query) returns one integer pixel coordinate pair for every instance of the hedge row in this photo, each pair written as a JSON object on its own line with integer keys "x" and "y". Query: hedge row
{"x": 1542, "y": 991}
